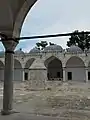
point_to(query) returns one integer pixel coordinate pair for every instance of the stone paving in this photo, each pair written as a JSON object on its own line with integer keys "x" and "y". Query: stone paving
{"x": 69, "y": 101}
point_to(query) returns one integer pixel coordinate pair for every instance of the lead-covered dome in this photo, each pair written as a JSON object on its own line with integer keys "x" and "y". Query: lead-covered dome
{"x": 34, "y": 50}
{"x": 53, "y": 48}
{"x": 74, "y": 49}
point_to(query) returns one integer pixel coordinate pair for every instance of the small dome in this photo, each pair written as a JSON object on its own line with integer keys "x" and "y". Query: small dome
{"x": 52, "y": 48}
{"x": 34, "y": 50}
{"x": 74, "y": 49}
{"x": 19, "y": 52}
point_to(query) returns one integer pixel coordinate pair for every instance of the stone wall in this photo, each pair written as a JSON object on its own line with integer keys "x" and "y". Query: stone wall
{"x": 38, "y": 78}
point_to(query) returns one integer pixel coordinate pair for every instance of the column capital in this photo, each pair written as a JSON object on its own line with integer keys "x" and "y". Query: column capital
{"x": 9, "y": 45}
{"x": 64, "y": 68}
{"x": 86, "y": 68}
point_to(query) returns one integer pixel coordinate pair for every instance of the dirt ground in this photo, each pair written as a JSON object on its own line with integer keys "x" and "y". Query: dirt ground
{"x": 70, "y": 101}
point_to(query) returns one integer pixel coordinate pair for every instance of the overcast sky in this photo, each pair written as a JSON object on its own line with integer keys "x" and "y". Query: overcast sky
{"x": 55, "y": 16}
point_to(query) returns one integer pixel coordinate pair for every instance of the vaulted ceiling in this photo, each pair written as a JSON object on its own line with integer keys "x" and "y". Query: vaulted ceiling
{"x": 12, "y": 15}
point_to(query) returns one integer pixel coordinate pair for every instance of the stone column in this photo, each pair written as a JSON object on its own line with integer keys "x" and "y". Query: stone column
{"x": 8, "y": 76}
{"x": 64, "y": 74}
{"x": 23, "y": 74}
{"x": 86, "y": 70}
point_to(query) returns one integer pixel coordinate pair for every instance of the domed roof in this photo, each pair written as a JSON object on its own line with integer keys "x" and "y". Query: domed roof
{"x": 18, "y": 52}
{"x": 34, "y": 50}
{"x": 52, "y": 48}
{"x": 74, "y": 49}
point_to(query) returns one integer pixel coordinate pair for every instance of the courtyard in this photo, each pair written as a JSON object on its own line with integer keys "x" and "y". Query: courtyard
{"x": 66, "y": 101}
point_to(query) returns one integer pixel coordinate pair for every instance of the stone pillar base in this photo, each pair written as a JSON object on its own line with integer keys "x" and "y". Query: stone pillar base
{"x": 8, "y": 112}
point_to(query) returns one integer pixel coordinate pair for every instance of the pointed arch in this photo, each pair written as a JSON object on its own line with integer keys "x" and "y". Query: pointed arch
{"x": 29, "y": 63}
{"x": 46, "y": 62}
{"x": 75, "y": 61}
{"x": 17, "y": 64}
{"x": 27, "y": 5}
{"x": 54, "y": 68}
{"x": 18, "y": 71}
{"x": 75, "y": 69}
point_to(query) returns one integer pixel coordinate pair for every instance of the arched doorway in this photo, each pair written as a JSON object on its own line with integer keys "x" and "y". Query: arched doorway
{"x": 75, "y": 69}
{"x": 54, "y": 69}
{"x": 27, "y": 66}
{"x": 18, "y": 71}
{"x": 1, "y": 71}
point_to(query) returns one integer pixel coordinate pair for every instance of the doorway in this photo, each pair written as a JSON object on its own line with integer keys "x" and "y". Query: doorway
{"x": 88, "y": 75}
{"x": 69, "y": 75}
{"x": 26, "y": 76}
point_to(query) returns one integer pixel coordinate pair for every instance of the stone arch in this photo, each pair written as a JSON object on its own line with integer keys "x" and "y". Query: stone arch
{"x": 50, "y": 58}
{"x": 29, "y": 62}
{"x": 54, "y": 68}
{"x": 27, "y": 66}
{"x": 21, "y": 16}
{"x": 1, "y": 71}
{"x": 18, "y": 71}
{"x": 75, "y": 69}
{"x": 17, "y": 63}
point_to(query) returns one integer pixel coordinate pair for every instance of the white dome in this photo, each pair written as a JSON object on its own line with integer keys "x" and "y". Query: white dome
{"x": 34, "y": 50}
{"x": 52, "y": 48}
{"x": 74, "y": 49}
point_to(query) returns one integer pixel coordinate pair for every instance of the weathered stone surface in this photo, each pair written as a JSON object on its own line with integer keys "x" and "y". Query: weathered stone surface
{"x": 38, "y": 75}
{"x": 38, "y": 78}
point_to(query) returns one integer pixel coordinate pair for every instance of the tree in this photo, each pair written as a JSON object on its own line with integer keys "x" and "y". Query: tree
{"x": 41, "y": 45}
{"x": 81, "y": 40}
{"x": 38, "y": 45}
{"x": 50, "y": 43}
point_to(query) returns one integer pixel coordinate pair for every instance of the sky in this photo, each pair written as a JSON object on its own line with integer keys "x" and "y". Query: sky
{"x": 55, "y": 16}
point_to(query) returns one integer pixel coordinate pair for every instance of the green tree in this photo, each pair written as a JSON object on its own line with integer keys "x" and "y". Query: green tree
{"x": 38, "y": 45}
{"x": 81, "y": 40}
{"x": 41, "y": 45}
{"x": 50, "y": 43}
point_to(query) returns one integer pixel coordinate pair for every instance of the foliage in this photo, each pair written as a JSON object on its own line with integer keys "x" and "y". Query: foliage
{"x": 81, "y": 40}
{"x": 41, "y": 45}
{"x": 50, "y": 43}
